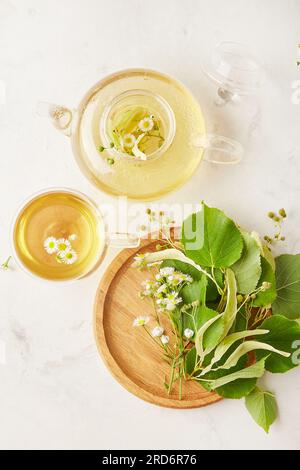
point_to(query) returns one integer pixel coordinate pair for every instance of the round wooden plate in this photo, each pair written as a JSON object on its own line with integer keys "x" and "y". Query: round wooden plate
{"x": 129, "y": 352}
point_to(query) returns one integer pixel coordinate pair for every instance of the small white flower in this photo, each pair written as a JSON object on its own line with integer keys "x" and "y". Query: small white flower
{"x": 172, "y": 300}
{"x": 129, "y": 141}
{"x": 73, "y": 237}
{"x": 140, "y": 321}
{"x": 63, "y": 245}
{"x": 50, "y": 245}
{"x": 173, "y": 297}
{"x": 157, "y": 331}
{"x": 164, "y": 339}
{"x": 170, "y": 306}
{"x": 68, "y": 257}
{"x": 162, "y": 289}
{"x": 188, "y": 333}
{"x": 158, "y": 277}
{"x": 148, "y": 285}
{"x": 149, "y": 288}
{"x": 146, "y": 124}
{"x": 168, "y": 271}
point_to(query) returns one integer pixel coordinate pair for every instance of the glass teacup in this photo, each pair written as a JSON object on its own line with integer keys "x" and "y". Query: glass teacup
{"x": 59, "y": 234}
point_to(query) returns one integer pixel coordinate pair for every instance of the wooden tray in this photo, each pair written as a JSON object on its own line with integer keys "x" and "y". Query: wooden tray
{"x": 128, "y": 352}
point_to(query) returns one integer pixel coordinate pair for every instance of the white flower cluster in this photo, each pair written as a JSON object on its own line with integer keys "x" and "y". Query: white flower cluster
{"x": 157, "y": 331}
{"x": 164, "y": 289}
{"x": 62, "y": 248}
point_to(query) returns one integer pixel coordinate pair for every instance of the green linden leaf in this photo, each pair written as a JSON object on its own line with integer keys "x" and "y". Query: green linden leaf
{"x": 210, "y": 238}
{"x": 287, "y": 302}
{"x": 247, "y": 269}
{"x": 236, "y": 387}
{"x": 267, "y": 297}
{"x": 254, "y": 371}
{"x": 284, "y": 334}
{"x": 190, "y": 361}
{"x": 264, "y": 250}
{"x": 196, "y": 291}
{"x": 248, "y": 346}
{"x": 200, "y": 334}
{"x": 230, "y": 340}
{"x": 185, "y": 268}
{"x": 262, "y": 407}
{"x": 221, "y": 327}
{"x": 267, "y": 253}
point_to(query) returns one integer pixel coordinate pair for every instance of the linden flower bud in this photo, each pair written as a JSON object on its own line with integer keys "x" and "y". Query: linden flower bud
{"x": 164, "y": 339}
{"x": 239, "y": 298}
{"x": 282, "y": 212}
{"x": 271, "y": 215}
{"x": 266, "y": 285}
{"x": 188, "y": 333}
{"x": 157, "y": 331}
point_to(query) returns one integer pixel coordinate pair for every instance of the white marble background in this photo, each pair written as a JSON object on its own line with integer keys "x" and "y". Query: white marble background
{"x": 55, "y": 391}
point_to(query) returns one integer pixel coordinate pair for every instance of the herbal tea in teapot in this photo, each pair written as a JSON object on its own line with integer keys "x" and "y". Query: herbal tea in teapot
{"x": 139, "y": 133}
{"x": 135, "y": 134}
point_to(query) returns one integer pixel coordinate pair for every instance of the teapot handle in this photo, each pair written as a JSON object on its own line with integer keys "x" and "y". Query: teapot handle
{"x": 220, "y": 149}
{"x": 61, "y": 116}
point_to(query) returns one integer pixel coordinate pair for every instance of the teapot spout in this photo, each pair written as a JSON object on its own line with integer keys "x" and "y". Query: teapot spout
{"x": 60, "y": 116}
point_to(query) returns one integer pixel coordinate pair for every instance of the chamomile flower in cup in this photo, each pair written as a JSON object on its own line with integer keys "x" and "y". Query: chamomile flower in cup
{"x": 58, "y": 235}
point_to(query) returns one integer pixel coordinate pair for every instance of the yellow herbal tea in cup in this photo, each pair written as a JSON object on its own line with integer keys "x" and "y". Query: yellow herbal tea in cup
{"x": 59, "y": 235}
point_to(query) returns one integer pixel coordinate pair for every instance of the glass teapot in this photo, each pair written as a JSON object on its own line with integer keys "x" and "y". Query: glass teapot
{"x": 139, "y": 133}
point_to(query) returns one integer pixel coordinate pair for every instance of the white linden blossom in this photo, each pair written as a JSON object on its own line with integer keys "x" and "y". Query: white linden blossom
{"x": 177, "y": 278}
{"x": 141, "y": 321}
{"x": 188, "y": 333}
{"x": 162, "y": 289}
{"x": 157, "y": 331}
{"x": 129, "y": 141}
{"x": 164, "y": 339}
{"x": 146, "y": 124}
{"x": 172, "y": 300}
{"x": 50, "y": 245}
{"x": 69, "y": 257}
{"x": 167, "y": 271}
{"x": 149, "y": 288}
{"x": 63, "y": 245}
{"x": 73, "y": 237}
